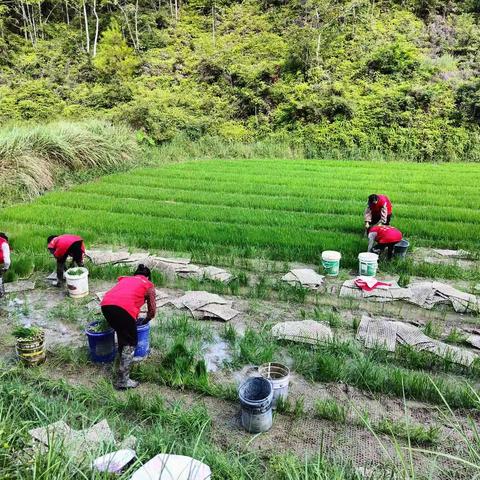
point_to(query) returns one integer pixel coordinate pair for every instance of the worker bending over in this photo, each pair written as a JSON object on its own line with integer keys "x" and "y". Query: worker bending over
{"x": 378, "y": 211}
{"x": 381, "y": 237}
{"x": 4, "y": 260}
{"x": 120, "y": 307}
{"x": 62, "y": 247}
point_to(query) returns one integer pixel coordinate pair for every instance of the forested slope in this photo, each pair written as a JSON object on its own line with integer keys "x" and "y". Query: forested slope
{"x": 395, "y": 77}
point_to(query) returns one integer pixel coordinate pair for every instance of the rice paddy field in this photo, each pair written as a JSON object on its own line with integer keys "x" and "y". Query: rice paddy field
{"x": 353, "y": 413}
{"x": 280, "y": 210}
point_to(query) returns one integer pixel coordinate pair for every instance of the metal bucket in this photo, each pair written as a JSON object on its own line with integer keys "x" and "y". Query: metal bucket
{"x": 400, "y": 248}
{"x": 279, "y": 376}
{"x": 256, "y": 395}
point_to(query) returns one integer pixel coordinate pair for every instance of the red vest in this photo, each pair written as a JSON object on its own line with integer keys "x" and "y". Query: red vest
{"x": 386, "y": 234}
{"x": 2, "y": 241}
{"x": 129, "y": 293}
{"x": 376, "y": 208}
{"x": 62, "y": 243}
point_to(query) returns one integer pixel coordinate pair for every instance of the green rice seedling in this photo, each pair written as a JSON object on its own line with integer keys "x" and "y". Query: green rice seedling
{"x": 270, "y": 209}
{"x": 416, "y": 434}
{"x": 290, "y": 467}
{"x": 330, "y": 316}
{"x": 256, "y": 348}
{"x": 355, "y": 324}
{"x": 69, "y": 311}
{"x": 330, "y": 409}
{"x": 283, "y": 405}
{"x": 291, "y": 293}
{"x": 261, "y": 289}
{"x": 345, "y": 362}
{"x": 242, "y": 279}
{"x": 229, "y": 334}
{"x": 298, "y": 409}
{"x": 404, "y": 280}
{"x": 65, "y": 354}
{"x": 456, "y": 336}
{"x": 433, "y": 329}
{"x": 26, "y": 332}
{"x": 101, "y": 326}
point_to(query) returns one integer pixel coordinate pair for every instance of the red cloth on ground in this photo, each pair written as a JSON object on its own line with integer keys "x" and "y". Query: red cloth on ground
{"x": 62, "y": 243}
{"x": 363, "y": 285}
{"x": 129, "y": 293}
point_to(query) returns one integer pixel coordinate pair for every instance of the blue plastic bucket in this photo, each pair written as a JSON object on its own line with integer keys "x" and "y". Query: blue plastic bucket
{"x": 143, "y": 345}
{"x": 101, "y": 345}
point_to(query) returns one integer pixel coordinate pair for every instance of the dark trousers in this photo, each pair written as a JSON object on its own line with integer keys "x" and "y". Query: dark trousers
{"x": 125, "y": 327}
{"x": 75, "y": 251}
{"x": 123, "y": 323}
{"x": 380, "y": 247}
{"x": 2, "y": 284}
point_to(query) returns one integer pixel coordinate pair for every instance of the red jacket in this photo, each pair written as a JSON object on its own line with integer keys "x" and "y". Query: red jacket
{"x": 129, "y": 293}
{"x": 2, "y": 241}
{"x": 387, "y": 234}
{"x": 376, "y": 208}
{"x": 62, "y": 243}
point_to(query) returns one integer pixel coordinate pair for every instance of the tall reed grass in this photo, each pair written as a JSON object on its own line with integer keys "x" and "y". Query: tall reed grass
{"x": 34, "y": 158}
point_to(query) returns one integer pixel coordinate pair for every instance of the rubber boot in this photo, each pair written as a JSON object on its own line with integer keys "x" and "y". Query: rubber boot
{"x": 126, "y": 359}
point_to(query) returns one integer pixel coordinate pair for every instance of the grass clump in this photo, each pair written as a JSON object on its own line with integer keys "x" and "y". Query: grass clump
{"x": 416, "y": 434}
{"x": 330, "y": 409}
{"x": 331, "y": 317}
{"x": 255, "y": 348}
{"x": 456, "y": 336}
{"x": 33, "y": 158}
{"x": 432, "y": 329}
{"x": 343, "y": 361}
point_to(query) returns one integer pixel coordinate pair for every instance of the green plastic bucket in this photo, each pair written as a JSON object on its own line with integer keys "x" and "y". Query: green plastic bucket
{"x": 331, "y": 262}
{"x": 367, "y": 264}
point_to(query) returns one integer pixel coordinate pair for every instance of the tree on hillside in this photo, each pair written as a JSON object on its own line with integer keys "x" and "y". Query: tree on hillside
{"x": 115, "y": 58}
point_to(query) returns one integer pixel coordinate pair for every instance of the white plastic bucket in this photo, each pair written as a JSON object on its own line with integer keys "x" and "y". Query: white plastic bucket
{"x": 367, "y": 264}
{"x": 331, "y": 262}
{"x": 279, "y": 376}
{"x": 77, "y": 285}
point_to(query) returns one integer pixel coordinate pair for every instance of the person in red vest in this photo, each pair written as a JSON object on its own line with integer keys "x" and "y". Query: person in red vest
{"x": 120, "y": 307}
{"x": 381, "y": 237}
{"x": 378, "y": 211}
{"x": 4, "y": 260}
{"x": 62, "y": 247}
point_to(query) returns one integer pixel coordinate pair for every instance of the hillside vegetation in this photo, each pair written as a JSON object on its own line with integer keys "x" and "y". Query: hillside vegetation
{"x": 395, "y": 78}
